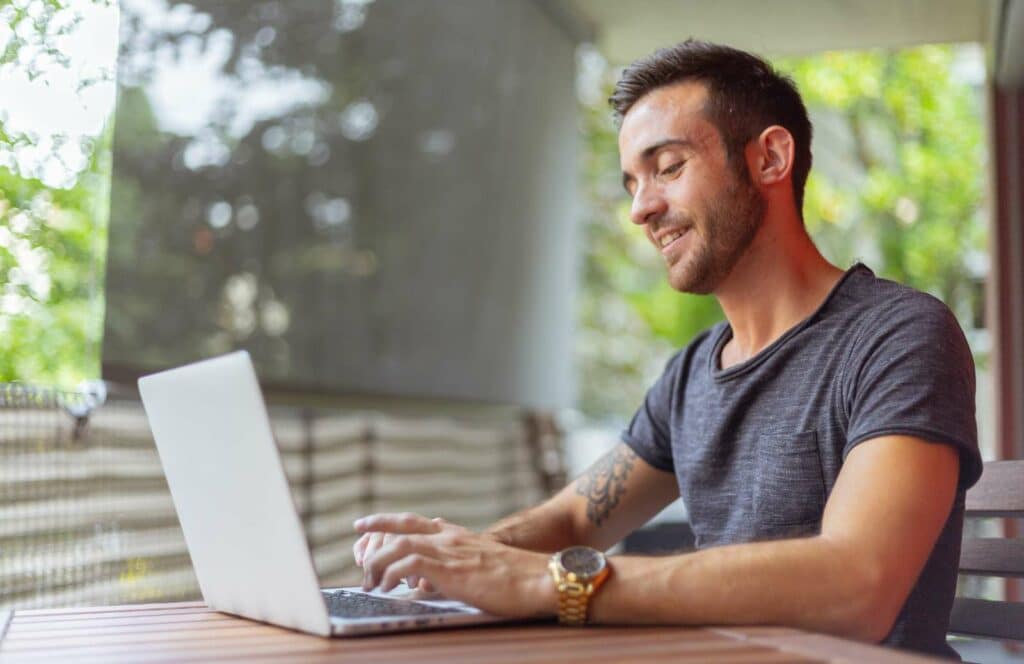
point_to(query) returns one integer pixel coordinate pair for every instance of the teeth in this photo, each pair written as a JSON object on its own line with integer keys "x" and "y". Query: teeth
{"x": 671, "y": 237}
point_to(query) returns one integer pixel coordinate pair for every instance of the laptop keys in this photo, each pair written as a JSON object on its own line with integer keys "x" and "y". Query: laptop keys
{"x": 345, "y": 604}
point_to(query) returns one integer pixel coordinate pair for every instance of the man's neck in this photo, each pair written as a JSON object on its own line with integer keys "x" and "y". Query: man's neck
{"x": 781, "y": 280}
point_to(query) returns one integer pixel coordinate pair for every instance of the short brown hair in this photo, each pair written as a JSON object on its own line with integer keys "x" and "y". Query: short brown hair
{"x": 745, "y": 96}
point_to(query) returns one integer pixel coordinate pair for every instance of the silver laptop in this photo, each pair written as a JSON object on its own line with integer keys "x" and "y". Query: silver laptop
{"x": 240, "y": 524}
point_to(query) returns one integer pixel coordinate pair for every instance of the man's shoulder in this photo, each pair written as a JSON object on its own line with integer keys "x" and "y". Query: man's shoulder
{"x": 879, "y": 305}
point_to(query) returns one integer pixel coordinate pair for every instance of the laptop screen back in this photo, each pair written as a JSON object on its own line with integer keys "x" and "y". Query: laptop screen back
{"x": 231, "y": 494}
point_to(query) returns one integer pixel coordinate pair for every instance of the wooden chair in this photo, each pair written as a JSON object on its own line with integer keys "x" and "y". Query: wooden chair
{"x": 999, "y": 493}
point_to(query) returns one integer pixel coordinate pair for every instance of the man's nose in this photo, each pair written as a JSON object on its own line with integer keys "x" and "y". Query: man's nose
{"x": 648, "y": 205}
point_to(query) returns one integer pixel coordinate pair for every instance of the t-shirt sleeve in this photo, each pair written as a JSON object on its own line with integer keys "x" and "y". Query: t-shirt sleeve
{"x": 649, "y": 432}
{"x": 912, "y": 373}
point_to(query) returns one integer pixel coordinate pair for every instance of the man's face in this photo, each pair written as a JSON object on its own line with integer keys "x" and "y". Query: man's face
{"x": 696, "y": 209}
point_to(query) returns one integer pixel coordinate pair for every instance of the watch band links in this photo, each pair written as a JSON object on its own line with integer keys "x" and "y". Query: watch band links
{"x": 573, "y": 597}
{"x": 572, "y": 604}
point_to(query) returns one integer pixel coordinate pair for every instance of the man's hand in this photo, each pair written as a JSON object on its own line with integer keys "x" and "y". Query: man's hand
{"x": 459, "y": 563}
{"x": 367, "y": 545}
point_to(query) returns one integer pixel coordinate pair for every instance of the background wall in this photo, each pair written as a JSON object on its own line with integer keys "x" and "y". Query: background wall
{"x": 370, "y": 198}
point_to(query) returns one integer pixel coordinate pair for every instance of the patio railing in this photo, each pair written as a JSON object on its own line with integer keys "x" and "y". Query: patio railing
{"x": 86, "y": 518}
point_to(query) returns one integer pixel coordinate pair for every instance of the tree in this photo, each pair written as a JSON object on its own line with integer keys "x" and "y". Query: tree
{"x": 912, "y": 183}
{"x": 54, "y": 191}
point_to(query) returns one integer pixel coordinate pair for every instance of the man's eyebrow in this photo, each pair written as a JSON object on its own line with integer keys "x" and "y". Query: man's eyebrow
{"x": 678, "y": 142}
{"x": 650, "y": 150}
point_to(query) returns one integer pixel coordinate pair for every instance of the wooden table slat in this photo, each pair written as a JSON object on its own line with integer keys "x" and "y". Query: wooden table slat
{"x": 840, "y": 649}
{"x": 122, "y": 608}
{"x": 234, "y": 633}
{"x": 190, "y": 632}
{"x": 43, "y": 618}
{"x": 126, "y": 623}
{"x": 558, "y": 649}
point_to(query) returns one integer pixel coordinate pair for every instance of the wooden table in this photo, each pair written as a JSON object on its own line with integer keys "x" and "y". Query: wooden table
{"x": 190, "y": 632}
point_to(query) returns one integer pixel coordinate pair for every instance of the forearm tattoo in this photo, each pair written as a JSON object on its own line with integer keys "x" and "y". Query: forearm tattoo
{"x": 604, "y": 484}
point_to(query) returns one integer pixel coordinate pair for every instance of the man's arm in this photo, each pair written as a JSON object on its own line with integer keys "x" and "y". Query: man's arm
{"x": 616, "y": 495}
{"x": 890, "y": 502}
{"x": 885, "y": 513}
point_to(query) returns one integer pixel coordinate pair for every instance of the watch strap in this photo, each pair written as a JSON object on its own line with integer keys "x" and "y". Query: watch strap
{"x": 573, "y": 594}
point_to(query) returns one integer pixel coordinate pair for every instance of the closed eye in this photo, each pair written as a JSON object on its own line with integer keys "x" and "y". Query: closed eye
{"x": 673, "y": 168}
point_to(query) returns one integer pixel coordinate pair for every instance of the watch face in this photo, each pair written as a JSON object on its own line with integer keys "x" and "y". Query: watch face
{"x": 582, "y": 561}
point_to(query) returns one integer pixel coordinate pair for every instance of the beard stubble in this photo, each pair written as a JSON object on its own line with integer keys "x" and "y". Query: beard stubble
{"x": 728, "y": 227}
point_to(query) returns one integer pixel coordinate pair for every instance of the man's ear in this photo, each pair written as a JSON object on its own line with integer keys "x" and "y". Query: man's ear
{"x": 774, "y": 152}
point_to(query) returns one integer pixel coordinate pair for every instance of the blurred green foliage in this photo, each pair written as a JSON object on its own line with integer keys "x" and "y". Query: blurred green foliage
{"x": 52, "y": 239}
{"x": 52, "y": 244}
{"x": 913, "y": 204}
{"x": 898, "y": 183}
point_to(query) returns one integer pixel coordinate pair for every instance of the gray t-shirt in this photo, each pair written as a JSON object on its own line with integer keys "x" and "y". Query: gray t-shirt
{"x": 756, "y": 448}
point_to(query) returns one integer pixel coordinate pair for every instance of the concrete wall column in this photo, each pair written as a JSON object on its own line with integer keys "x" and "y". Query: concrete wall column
{"x": 1006, "y": 287}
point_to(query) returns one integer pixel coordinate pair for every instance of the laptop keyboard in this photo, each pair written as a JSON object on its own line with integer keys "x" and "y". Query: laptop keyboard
{"x": 344, "y": 604}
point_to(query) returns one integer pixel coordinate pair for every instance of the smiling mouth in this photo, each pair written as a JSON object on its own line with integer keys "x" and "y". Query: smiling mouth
{"x": 667, "y": 241}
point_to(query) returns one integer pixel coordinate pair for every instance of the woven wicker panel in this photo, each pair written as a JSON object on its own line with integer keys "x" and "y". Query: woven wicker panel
{"x": 86, "y": 517}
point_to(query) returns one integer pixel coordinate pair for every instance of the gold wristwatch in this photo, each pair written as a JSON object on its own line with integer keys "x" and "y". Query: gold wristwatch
{"x": 577, "y": 572}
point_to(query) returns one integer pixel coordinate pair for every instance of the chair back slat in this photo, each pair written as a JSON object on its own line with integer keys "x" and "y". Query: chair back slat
{"x": 987, "y": 619}
{"x": 992, "y": 556}
{"x": 999, "y": 492}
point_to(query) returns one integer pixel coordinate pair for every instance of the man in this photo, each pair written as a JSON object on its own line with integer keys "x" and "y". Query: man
{"x": 822, "y": 437}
